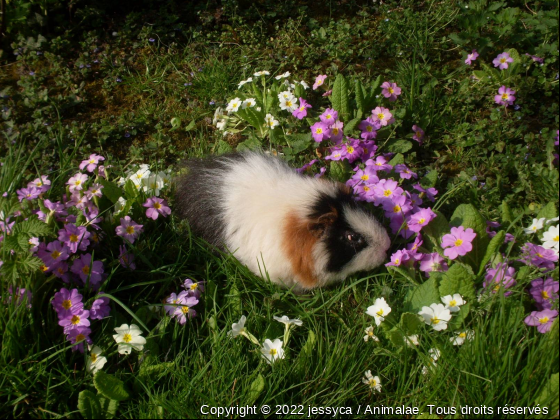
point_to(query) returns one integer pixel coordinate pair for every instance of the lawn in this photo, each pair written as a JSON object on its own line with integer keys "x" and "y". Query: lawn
{"x": 441, "y": 115}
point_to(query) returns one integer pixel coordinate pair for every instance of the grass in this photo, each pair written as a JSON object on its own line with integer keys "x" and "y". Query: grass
{"x": 161, "y": 111}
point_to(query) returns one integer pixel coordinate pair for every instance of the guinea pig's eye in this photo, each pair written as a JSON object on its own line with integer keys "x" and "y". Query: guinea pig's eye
{"x": 354, "y": 238}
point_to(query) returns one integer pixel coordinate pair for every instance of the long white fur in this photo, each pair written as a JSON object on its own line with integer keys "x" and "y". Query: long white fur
{"x": 258, "y": 193}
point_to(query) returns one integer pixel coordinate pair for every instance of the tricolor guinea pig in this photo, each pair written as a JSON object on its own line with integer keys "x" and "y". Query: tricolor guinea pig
{"x": 300, "y": 231}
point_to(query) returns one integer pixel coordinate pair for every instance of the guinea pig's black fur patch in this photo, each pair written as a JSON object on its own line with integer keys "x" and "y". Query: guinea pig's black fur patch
{"x": 339, "y": 249}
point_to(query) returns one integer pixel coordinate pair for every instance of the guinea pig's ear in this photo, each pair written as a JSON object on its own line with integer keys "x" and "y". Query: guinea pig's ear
{"x": 318, "y": 226}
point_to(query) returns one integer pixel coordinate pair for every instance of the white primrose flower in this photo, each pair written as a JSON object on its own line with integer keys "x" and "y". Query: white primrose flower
{"x": 238, "y": 327}
{"x": 140, "y": 174}
{"x": 165, "y": 177}
{"x": 249, "y": 103}
{"x": 288, "y": 104}
{"x": 282, "y": 76}
{"x": 549, "y": 221}
{"x": 250, "y": 79}
{"x": 535, "y": 226}
{"x": 379, "y": 310}
{"x": 218, "y": 115}
{"x": 286, "y": 95}
{"x": 305, "y": 85}
{"x": 154, "y": 183}
{"x": 94, "y": 360}
{"x": 550, "y": 238}
{"x": 373, "y": 381}
{"x": 370, "y": 335}
{"x": 272, "y": 350}
{"x": 270, "y": 122}
{"x": 120, "y": 205}
{"x": 436, "y": 315}
{"x": 261, "y": 73}
{"x": 221, "y": 125}
{"x": 453, "y": 303}
{"x": 460, "y": 337}
{"x": 233, "y": 105}
{"x": 412, "y": 340}
{"x": 129, "y": 338}
{"x": 287, "y": 321}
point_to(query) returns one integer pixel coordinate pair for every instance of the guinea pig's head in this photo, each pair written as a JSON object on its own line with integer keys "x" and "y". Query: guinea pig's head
{"x": 350, "y": 239}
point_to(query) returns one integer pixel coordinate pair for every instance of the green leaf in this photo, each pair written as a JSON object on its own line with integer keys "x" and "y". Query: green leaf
{"x": 495, "y": 244}
{"x": 360, "y": 95}
{"x": 309, "y": 345}
{"x": 410, "y": 323}
{"x": 423, "y": 295}
{"x": 130, "y": 190}
{"x": 88, "y": 404}
{"x": 339, "y": 171}
{"x": 434, "y": 230}
{"x": 9, "y": 271}
{"x": 408, "y": 274}
{"x": 110, "y": 190}
{"x": 351, "y": 125}
{"x": 190, "y": 126}
{"x": 110, "y": 386}
{"x": 399, "y": 146}
{"x": 18, "y": 243}
{"x": 506, "y": 212}
{"x": 396, "y": 337}
{"x": 397, "y": 159}
{"x": 256, "y": 388}
{"x": 548, "y": 211}
{"x": 467, "y": 215}
{"x": 458, "y": 279}
{"x": 29, "y": 264}
{"x": 108, "y": 407}
{"x": 429, "y": 180}
{"x": 340, "y": 97}
{"x": 31, "y": 227}
{"x": 548, "y": 397}
{"x": 458, "y": 318}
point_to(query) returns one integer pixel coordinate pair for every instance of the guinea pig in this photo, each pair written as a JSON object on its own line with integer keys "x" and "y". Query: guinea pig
{"x": 299, "y": 231}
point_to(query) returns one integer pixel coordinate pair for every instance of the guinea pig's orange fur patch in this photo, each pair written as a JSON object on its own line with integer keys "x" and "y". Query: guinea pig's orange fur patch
{"x": 298, "y": 243}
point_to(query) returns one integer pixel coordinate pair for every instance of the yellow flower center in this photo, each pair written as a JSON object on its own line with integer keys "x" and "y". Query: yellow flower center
{"x": 92, "y": 161}
{"x": 422, "y": 220}
{"x": 43, "y": 268}
{"x": 372, "y": 383}
{"x": 130, "y": 230}
{"x": 397, "y": 261}
{"x": 381, "y": 116}
{"x": 391, "y": 90}
{"x": 350, "y": 149}
{"x": 85, "y": 269}
{"x": 463, "y": 335}
{"x": 387, "y": 193}
{"x": 505, "y": 96}
{"x": 73, "y": 238}
{"x": 157, "y": 206}
{"x": 458, "y": 242}
{"x": 55, "y": 254}
{"x": 273, "y": 352}
{"x": 365, "y": 177}
{"x": 556, "y": 238}
{"x": 545, "y": 294}
{"x": 80, "y": 337}
{"x": 39, "y": 184}
{"x": 194, "y": 286}
{"x": 539, "y": 255}
{"x": 370, "y": 333}
{"x": 369, "y": 128}
{"x": 496, "y": 288}
{"x": 380, "y": 312}
{"x": 396, "y": 209}
{"x": 185, "y": 309}
{"x": 435, "y": 320}
{"x": 328, "y": 117}
{"x": 502, "y": 60}
{"x": 453, "y": 303}
{"x": 75, "y": 320}
{"x": 301, "y": 108}
{"x": 543, "y": 320}
{"x": 318, "y": 131}
{"x": 289, "y": 104}
{"x": 78, "y": 182}
{"x": 335, "y": 131}
{"x": 366, "y": 188}
{"x": 127, "y": 338}
{"x": 67, "y": 304}
{"x": 93, "y": 357}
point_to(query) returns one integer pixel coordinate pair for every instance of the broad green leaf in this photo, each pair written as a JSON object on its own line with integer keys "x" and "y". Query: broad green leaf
{"x": 506, "y": 212}
{"x": 399, "y": 146}
{"x": 31, "y": 227}
{"x": 110, "y": 386}
{"x": 89, "y": 406}
{"x": 130, "y": 190}
{"x": 190, "y": 126}
{"x": 458, "y": 279}
{"x": 493, "y": 246}
{"x": 548, "y": 397}
{"x": 108, "y": 407}
{"x": 111, "y": 190}
{"x": 548, "y": 211}
{"x": 396, "y": 337}
{"x": 29, "y": 264}
{"x": 410, "y": 323}
{"x": 340, "y": 97}
{"x": 458, "y": 318}
{"x": 429, "y": 180}
{"x": 467, "y": 215}
{"x": 423, "y": 295}
{"x": 351, "y": 125}
{"x": 9, "y": 271}
{"x": 256, "y": 388}
{"x": 339, "y": 171}
{"x": 309, "y": 345}
{"x": 360, "y": 93}
{"x": 397, "y": 159}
